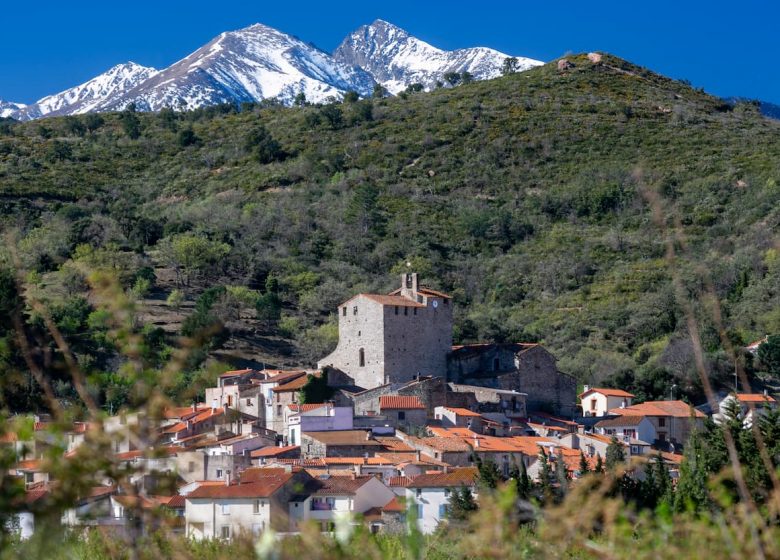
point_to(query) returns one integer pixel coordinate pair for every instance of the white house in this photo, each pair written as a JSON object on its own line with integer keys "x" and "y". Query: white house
{"x": 634, "y": 427}
{"x": 751, "y": 406}
{"x": 459, "y": 417}
{"x": 259, "y": 501}
{"x": 316, "y": 418}
{"x": 339, "y": 497}
{"x": 599, "y": 401}
{"x": 429, "y": 494}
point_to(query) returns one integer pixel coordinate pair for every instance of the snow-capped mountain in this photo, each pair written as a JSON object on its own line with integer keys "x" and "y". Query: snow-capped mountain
{"x": 396, "y": 59}
{"x": 7, "y": 108}
{"x": 246, "y": 65}
{"x": 90, "y": 95}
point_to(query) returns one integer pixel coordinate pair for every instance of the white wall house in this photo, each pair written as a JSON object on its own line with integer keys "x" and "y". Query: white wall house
{"x": 751, "y": 406}
{"x": 429, "y": 495}
{"x": 599, "y": 401}
{"x": 634, "y": 427}
{"x": 316, "y": 418}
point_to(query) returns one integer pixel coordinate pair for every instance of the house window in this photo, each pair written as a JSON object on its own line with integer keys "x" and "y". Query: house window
{"x": 419, "y": 492}
{"x": 396, "y": 310}
{"x": 442, "y": 511}
{"x": 219, "y": 473}
{"x": 401, "y": 415}
{"x": 278, "y": 410}
{"x": 661, "y": 436}
{"x": 593, "y": 404}
{"x": 323, "y": 504}
{"x": 661, "y": 422}
{"x": 419, "y": 511}
{"x": 361, "y": 357}
{"x": 406, "y": 311}
{"x": 225, "y": 509}
{"x": 226, "y": 532}
{"x": 344, "y": 312}
{"x": 191, "y": 466}
{"x": 256, "y": 506}
{"x": 415, "y": 311}
{"x": 29, "y": 477}
{"x": 230, "y": 400}
{"x": 354, "y": 310}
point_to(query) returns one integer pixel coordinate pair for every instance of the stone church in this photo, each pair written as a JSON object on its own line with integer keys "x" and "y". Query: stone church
{"x": 407, "y": 334}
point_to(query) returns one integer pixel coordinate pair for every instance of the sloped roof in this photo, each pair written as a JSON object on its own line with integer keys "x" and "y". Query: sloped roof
{"x": 236, "y": 373}
{"x": 398, "y": 301}
{"x": 344, "y": 437}
{"x": 465, "y": 476}
{"x": 294, "y": 385}
{"x": 273, "y": 451}
{"x": 452, "y": 444}
{"x": 620, "y": 421}
{"x": 263, "y": 487}
{"x": 677, "y": 409}
{"x": 424, "y": 291}
{"x": 340, "y": 485}
{"x": 754, "y": 398}
{"x": 607, "y": 392}
{"x": 462, "y": 411}
{"x": 394, "y": 506}
{"x": 393, "y": 402}
{"x": 399, "y": 481}
{"x": 305, "y": 407}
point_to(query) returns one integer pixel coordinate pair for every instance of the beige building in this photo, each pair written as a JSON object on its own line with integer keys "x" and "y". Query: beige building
{"x": 672, "y": 420}
{"x": 393, "y": 338}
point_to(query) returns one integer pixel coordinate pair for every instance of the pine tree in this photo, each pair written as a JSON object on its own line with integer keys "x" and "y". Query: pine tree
{"x": 524, "y": 482}
{"x": 545, "y": 477}
{"x": 584, "y": 469}
{"x": 561, "y": 475}
{"x": 616, "y": 455}
{"x": 599, "y": 464}
{"x": 489, "y": 474}
{"x": 691, "y": 492}
{"x": 461, "y": 504}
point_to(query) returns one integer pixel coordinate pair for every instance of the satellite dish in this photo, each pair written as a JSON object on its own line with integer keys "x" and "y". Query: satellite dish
{"x": 435, "y": 303}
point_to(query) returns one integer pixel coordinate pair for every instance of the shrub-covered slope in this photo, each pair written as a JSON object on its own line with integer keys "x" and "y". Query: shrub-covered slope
{"x": 527, "y": 197}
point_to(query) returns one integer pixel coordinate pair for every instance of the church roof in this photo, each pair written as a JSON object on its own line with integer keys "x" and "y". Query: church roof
{"x": 424, "y": 291}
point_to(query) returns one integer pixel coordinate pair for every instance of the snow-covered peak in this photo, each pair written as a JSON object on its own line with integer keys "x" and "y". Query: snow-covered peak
{"x": 396, "y": 59}
{"x": 249, "y": 64}
{"x": 8, "y": 108}
{"x": 91, "y": 94}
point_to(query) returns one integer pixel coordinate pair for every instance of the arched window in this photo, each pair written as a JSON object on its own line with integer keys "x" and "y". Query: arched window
{"x": 362, "y": 357}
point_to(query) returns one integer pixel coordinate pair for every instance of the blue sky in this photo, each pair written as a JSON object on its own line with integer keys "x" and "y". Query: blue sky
{"x": 727, "y": 48}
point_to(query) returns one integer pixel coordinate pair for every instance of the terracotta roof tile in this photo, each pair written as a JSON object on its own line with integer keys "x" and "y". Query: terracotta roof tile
{"x": 462, "y": 411}
{"x": 393, "y": 506}
{"x": 607, "y": 392}
{"x": 236, "y": 373}
{"x": 338, "y": 485}
{"x": 262, "y": 487}
{"x": 399, "y": 481}
{"x": 393, "y": 402}
{"x": 294, "y": 385}
{"x": 344, "y": 437}
{"x": 754, "y": 398}
{"x": 274, "y": 451}
{"x": 305, "y": 407}
{"x": 677, "y": 409}
{"x": 624, "y": 420}
{"x": 465, "y": 476}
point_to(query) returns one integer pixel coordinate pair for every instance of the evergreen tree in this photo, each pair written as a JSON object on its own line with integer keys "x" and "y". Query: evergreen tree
{"x": 379, "y": 91}
{"x": 599, "y": 464}
{"x": 489, "y": 474}
{"x": 461, "y": 504}
{"x": 263, "y": 146}
{"x": 545, "y": 477}
{"x": 510, "y": 65}
{"x": 524, "y": 482}
{"x": 663, "y": 479}
{"x": 769, "y": 354}
{"x": 691, "y": 492}
{"x": 130, "y": 122}
{"x": 584, "y": 469}
{"x": 616, "y": 455}
{"x": 561, "y": 475}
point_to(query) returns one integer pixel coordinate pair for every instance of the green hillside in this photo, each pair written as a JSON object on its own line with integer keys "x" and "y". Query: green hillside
{"x": 527, "y": 197}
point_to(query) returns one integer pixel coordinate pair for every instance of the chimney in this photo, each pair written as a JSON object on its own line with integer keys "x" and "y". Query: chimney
{"x": 476, "y": 441}
{"x": 417, "y": 455}
{"x": 623, "y": 404}
{"x": 227, "y": 478}
{"x": 194, "y": 406}
{"x": 766, "y": 392}
{"x": 585, "y": 388}
{"x": 368, "y": 435}
{"x": 353, "y": 476}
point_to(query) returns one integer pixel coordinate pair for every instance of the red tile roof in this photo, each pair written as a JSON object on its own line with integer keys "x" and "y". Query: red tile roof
{"x": 263, "y": 487}
{"x": 399, "y": 481}
{"x": 176, "y": 502}
{"x": 625, "y": 420}
{"x": 273, "y": 451}
{"x": 462, "y": 411}
{"x": 236, "y": 373}
{"x": 754, "y": 398}
{"x": 607, "y": 392}
{"x": 393, "y": 506}
{"x": 424, "y": 291}
{"x": 393, "y": 402}
{"x": 465, "y": 476}
{"x": 677, "y": 409}
{"x": 344, "y": 437}
{"x": 339, "y": 485}
{"x": 294, "y": 385}
{"x": 305, "y": 407}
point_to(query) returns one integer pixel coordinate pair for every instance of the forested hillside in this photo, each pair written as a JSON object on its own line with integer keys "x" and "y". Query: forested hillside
{"x": 530, "y": 198}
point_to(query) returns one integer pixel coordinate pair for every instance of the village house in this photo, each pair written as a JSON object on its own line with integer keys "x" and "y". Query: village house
{"x": 338, "y": 497}
{"x": 459, "y": 417}
{"x": 257, "y": 502}
{"x": 283, "y": 395}
{"x": 599, "y": 401}
{"x": 238, "y": 390}
{"x": 750, "y": 406}
{"x": 634, "y": 427}
{"x": 430, "y": 495}
{"x": 403, "y": 411}
{"x": 315, "y": 418}
{"x": 672, "y": 420}
{"x": 340, "y": 443}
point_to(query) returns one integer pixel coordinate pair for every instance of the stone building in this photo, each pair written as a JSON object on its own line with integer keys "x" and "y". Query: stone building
{"x": 525, "y": 368}
{"x": 393, "y": 338}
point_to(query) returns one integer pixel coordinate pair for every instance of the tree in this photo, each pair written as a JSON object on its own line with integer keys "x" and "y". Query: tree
{"x": 414, "y": 88}
{"x": 351, "y": 96}
{"x": 599, "y": 464}
{"x": 263, "y": 146}
{"x": 691, "y": 491}
{"x": 524, "y": 482}
{"x": 300, "y": 100}
{"x": 583, "y": 468}
{"x": 316, "y": 390}
{"x": 379, "y": 91}
{"x": 616, "y": 454}
{"x": 130, "y": 122}
{"x": 461, "y": 504}
{"x": 510, "y": 65}
{"x": 191, "y": 254}
{"x": 489, "y": 475}
{"x": 561, "y": 475}
{"x": 453, "y": 78}
{"x": 545, "y": 477}
{"x": 363, "y": 209}
{"x": 769, "y": 354}
{"x": 466, "y": 77}
{"x": 93, "y": 121}
{"x": 333, "y": 116}
{"x": 188, "y": 138}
